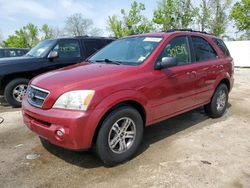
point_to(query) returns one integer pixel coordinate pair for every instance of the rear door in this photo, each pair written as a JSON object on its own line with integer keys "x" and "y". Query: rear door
{"x": 207, "y": 66}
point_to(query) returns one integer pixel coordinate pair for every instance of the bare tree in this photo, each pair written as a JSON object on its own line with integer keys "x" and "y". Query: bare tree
{"x": 58, "y": 32}
{"x": 50, "y": 32}
{"x": 77, "y": 25}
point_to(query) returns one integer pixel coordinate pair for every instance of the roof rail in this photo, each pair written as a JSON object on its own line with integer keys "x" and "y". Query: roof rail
{"x": 94, "y": 37}
{"x": 189, "y": 30}
{"x": 81, "y": 36}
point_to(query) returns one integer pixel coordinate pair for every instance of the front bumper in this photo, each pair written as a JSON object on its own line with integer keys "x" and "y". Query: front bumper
{"x": 73, "y": 124}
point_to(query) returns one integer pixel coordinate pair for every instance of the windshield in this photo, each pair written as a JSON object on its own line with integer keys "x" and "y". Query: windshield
{"x": 129, "y": 51}
{"x": 41, "y": 49}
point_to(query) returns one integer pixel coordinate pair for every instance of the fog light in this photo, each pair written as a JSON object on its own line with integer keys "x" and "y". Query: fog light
{"x": 59, "y": 133}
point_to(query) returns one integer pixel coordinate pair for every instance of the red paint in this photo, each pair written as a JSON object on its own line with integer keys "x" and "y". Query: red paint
{"x": 162, "y": 93}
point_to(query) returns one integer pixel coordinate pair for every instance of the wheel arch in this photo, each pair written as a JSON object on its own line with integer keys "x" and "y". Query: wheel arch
{"x": 226, "y": 82}
{"x": 9, "y": 78}
{"x": 132, "y": 103}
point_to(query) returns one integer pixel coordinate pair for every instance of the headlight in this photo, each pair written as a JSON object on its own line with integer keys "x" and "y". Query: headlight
{"x": 75, "y": 100}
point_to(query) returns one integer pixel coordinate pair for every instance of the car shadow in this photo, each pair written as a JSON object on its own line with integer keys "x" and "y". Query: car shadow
{"x": 152, "y": 134}
{"x": 3, "y": 102}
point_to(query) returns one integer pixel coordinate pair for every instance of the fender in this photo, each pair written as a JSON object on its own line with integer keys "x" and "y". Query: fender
{"x": 106, "y": 104}
{"x": 222, "y": 76}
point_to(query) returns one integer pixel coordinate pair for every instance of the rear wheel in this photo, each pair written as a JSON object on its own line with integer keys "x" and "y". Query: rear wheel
{"x": 15, "y": 91}
{"x": 217, "y": 107}
{"x": 120, "y": 135}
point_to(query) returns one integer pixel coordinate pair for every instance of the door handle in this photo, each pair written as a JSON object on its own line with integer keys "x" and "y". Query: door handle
{"x": 192, "y": 72}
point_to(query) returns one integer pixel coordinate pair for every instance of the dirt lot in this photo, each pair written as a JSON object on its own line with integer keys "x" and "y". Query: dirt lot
{"x": 190, "y": 150}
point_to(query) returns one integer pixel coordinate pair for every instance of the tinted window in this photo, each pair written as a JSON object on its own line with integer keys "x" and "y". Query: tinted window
{"x": 203, "y": 50}
{"x": 107, "y": 41}
{"x": 1, "y": 53}
{"x": 68, "y": 49}
{"x": 177, "y": 47}
{"x": 222, "y": 46}
{"x": 19, "y": 52}
{"x": 92, "y": 46}
{"x": 11, "y": 53}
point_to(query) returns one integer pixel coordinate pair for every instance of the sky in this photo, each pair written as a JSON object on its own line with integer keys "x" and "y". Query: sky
{"x": 16, "y": 13}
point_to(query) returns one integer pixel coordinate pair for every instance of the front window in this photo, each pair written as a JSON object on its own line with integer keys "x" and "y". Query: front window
{"x": 177, "y": 47}
{"x": 68, "y": 49}
{"x": 129, "y": 51}
{"x": 41, "y": 49}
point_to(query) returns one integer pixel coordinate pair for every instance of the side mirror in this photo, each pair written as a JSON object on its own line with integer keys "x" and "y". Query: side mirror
{"x": 53, "y": 55}
{"x": 166, "y": 62}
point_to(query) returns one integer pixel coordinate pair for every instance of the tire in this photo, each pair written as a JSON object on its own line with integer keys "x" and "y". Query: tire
{"x": 15, "y": 90}
{"x": 118, "y": 153}
{"x": 218, "y": 105}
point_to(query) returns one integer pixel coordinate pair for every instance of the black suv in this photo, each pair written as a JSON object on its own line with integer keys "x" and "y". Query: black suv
{"x": 48, "y": 55}
{"x": 12, "y": 52}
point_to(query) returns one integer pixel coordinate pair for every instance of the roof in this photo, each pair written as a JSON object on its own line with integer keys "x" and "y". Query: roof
{"x": 14, "y": 49}
{"x": 171, "y": 31}
{"x": 85, "y": 37}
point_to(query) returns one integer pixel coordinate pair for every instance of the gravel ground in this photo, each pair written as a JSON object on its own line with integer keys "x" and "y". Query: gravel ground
{"x": 190, "y": 150}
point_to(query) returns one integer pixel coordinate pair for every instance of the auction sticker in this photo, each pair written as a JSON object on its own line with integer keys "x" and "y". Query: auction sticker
{"x": 152, "y": 39}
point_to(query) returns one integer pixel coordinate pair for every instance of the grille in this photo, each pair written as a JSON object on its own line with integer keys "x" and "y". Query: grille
{"x": 37, "y": 96}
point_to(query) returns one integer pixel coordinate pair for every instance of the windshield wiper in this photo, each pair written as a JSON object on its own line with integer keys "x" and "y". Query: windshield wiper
{"x": 89, "y": 61}
{"x": 109, "y": 61}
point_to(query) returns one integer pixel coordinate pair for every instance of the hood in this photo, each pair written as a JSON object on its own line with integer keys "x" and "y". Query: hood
{"x": 81, "y": 76}
{"x": 16, "y": 60}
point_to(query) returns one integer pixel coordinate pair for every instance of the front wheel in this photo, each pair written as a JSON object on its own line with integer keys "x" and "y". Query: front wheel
{"x": 15, "y": 91}
{"x": 120, "y": 135}
{"x": 217, "y": 107}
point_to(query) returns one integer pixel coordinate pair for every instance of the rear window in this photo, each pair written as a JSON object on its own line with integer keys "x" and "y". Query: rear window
{"x": 222, "y": 46}
{"x": 107, "y": 41}
{"x": 203, "y": 50}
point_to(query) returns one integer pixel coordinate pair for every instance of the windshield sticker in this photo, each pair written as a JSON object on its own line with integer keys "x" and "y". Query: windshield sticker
{"x": 141, "y": 59}
{"x": 152, "y": 39}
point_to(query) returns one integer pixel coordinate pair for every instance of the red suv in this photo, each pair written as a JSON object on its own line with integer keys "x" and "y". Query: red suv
{"x": 134, "y": 82}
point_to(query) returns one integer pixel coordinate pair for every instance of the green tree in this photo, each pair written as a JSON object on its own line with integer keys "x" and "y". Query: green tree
{"x": 174, "y": 14}
{"x": 48, "y": 32}
{"x": 32, "y": 33}
{"x": 133, "y": 22}
{"x": 240, "y": 13}
{"x": 26, "y": 37}
{"x": 204, "y": 15}
{"x": 77, "y": 25}
{"x": 220, "y": 19}
{"x": 1, "y": 39}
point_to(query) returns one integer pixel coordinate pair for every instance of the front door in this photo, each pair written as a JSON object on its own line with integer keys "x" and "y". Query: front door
{"x": 69, "y": 53}
{"x": 176, "y": 91}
